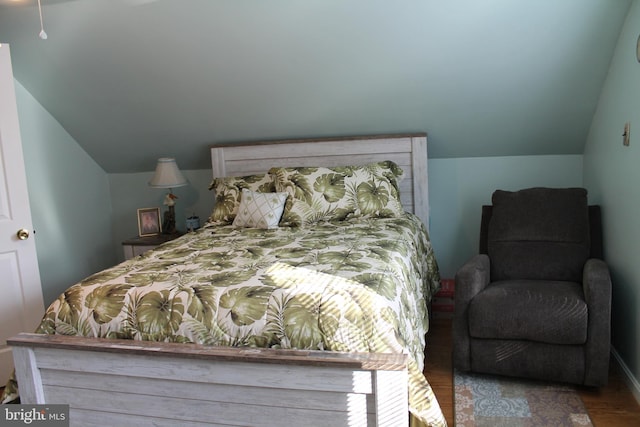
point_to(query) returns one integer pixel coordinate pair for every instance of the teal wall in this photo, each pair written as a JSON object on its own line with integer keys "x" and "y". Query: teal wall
{"x": 69, "y": 197}
{"x": 612, "y": 176}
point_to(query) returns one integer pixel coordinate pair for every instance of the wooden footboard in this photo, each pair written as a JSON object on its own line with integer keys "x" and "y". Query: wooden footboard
{"x": 136, "y": 383}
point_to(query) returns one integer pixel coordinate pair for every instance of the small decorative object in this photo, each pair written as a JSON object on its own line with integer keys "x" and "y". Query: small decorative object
{"x": 168, "y": 175}
{"x": 149, "y": 222}
{"x": 193, "y": 223}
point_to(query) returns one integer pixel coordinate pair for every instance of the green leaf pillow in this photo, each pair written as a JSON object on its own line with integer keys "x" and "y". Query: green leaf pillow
{"x": 338, "y": 193}
{"x": 228, "y": 192}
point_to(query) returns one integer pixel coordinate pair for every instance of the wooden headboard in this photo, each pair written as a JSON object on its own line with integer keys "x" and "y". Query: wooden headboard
{"x": 409, "y": 151}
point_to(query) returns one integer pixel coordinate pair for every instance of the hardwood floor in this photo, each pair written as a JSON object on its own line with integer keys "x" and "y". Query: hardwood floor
{"x": 610, "y": 406}
{"x": 438, "y": 367}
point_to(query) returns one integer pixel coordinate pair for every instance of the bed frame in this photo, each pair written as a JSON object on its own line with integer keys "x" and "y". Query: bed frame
{"x": 409, "y": 151}
{"x": 138, "y": 383}
{"x": 141, "y": 383}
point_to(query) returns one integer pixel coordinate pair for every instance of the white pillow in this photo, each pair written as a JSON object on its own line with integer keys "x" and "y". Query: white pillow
{"x": 260, "y": 210}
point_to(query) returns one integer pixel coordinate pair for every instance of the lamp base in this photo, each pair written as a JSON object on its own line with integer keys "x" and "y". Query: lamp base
{"x": 169, "y": 222}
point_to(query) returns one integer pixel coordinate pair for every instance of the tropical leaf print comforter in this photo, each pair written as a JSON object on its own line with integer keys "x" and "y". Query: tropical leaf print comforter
{"x": 356, "y": 285}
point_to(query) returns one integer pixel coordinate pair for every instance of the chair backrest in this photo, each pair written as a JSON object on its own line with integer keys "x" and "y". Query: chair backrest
{"x": 540, "y": 233}
{"x": 595, "y": 230}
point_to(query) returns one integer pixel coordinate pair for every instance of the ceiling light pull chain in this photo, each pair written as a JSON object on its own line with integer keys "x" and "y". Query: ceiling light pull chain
{"x": 42, "y": 34}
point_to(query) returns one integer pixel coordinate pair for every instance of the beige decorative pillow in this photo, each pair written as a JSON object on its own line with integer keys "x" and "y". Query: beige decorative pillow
{"x": 229, "y": 191}
{"x": 323, "y": 194}
{"x": 260, "y": 210}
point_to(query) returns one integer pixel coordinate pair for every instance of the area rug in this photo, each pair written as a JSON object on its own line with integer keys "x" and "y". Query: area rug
{"x": 492, "y": 401}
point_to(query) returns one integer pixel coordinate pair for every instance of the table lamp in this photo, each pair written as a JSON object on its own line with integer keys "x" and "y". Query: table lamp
{"x": 167, "y": 175}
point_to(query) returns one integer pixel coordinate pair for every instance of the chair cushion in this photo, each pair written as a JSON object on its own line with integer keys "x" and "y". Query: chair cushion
{"x": 539, "y": 234}
{"x": 541, "y": 311}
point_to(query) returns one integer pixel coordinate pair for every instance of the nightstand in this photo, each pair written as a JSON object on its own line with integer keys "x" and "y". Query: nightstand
{"x": 138, "y": 245}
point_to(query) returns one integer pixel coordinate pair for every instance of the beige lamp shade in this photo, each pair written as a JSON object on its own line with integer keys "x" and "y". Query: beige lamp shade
{"x": 167, "y": 174}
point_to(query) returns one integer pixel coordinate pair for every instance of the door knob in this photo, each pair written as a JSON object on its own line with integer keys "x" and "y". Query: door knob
{"x": 23, "y": 234}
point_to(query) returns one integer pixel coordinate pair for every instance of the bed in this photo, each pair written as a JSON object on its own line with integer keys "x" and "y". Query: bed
{"x": 302, "y": 301}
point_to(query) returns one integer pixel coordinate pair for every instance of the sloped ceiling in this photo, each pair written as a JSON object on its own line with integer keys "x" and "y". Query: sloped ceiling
{"x": 134, "y": 80}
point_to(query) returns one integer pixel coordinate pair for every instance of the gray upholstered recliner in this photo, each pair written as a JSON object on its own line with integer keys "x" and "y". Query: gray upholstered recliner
{"x": 536, "y": 301}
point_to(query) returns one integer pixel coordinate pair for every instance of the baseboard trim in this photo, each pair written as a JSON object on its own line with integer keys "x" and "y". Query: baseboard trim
{"x": 631, "y": 381}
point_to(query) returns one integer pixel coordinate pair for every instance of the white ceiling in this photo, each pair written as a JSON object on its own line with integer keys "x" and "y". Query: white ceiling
{"x": 134, "y": 80}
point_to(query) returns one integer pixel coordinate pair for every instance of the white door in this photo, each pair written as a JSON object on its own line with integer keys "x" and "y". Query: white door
{"x": 21, "y": 305}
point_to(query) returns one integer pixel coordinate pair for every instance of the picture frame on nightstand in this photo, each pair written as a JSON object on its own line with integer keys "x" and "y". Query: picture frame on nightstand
{"x": 149, "y": 223}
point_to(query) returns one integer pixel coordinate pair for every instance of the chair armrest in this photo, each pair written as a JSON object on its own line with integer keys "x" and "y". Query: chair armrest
{"x": 470, "y": 279}
{"x": 596, "y": 284}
